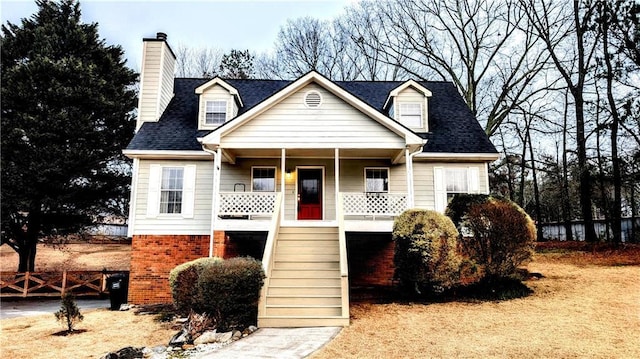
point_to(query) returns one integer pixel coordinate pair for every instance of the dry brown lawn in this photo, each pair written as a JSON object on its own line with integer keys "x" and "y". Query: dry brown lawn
{"x": 579, "y": 310}
{"x": 586, "y": 306}
{"x": 106, "y": 331}
{"x": 72, "y": 256}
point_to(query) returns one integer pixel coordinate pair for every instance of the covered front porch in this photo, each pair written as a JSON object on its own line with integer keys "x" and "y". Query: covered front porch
{"x": 365, "y": 188}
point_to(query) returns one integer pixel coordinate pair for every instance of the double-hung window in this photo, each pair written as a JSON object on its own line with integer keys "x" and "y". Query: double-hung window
{"x": 215, "y": 112}
{"x": 457, "y": 181}
{"x": 376, "y": 180}
{"x": 171, "y": 190}
{"x": 449, "y": 181}
{"x": 263, "y": 179}
{"x": 411, "y": 114}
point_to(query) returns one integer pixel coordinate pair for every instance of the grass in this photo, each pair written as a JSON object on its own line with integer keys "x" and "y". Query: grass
{"x": 587, "y": 305}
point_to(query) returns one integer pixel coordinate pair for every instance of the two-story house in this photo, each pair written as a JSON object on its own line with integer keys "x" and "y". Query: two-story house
{"x": 306, "y": 175}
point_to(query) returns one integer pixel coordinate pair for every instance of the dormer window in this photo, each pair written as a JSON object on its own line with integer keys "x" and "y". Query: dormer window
{"x": 216, "y": 112}
{"x": 410, "y": 114}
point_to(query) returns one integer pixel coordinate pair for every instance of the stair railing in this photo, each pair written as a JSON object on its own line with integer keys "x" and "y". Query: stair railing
{"x": 269, "y": 248}
{"x": 344, "y": 266}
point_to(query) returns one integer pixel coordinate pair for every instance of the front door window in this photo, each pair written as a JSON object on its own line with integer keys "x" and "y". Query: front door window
{"x": 309, "y": 193}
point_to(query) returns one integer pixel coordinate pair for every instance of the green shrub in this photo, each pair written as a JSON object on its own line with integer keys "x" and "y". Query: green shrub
{"x": 230, "y": 291}
{"x": 425, "y": 255}
{"x": 183, "y": 281}
{"x": 226, "y": 290}
{"x": 502, "y": 235}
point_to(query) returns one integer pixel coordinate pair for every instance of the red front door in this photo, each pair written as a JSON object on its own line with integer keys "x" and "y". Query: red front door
{"x": 309, "y": 193}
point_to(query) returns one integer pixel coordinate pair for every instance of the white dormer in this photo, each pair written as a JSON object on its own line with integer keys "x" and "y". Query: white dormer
{"x": 408, "y": 104}
{"x": 219, "y": 102}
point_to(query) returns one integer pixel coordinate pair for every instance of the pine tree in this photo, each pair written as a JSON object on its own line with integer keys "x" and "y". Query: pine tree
{"x": 67, "y": 102}
{"x": 69, "y": 314}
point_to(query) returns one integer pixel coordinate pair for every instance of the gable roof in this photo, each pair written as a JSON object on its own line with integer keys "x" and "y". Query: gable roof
{"x": 410, "y": 83}
{"x": 218, "y": 81}
{"x": 410, "y": 137}
{"x": 453, "y": 128}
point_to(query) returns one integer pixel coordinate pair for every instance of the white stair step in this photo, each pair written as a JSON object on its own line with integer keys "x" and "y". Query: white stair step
{"x": 304, "y": 290}
{"x": 307, "y": 250}
{"x": 304, "y": 282}
{"x": 303, "y": 311}
{"x": 292, "y": 322}
{"x": 304, "y": 300}
{"x": 296, "y": 265}
{"x": 292, "y": 257}
{"x": 311, "y": 273}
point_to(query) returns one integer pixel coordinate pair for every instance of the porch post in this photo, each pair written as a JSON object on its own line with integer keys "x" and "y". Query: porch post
{"x": 283, "y": 169}
{"x": 217, "y": 170}
{"x": 337, "y": 178}
{"x": 409, "y": 166}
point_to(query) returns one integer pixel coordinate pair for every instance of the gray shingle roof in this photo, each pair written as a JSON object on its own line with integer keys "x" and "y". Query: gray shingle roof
{"x": 452, "y": 126}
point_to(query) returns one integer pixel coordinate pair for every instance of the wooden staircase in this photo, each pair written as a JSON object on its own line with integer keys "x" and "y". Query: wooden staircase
{"x": 305, "y": 287}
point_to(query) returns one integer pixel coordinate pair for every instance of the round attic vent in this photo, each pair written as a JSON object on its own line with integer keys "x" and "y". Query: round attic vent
{"x": 312, "y": 99}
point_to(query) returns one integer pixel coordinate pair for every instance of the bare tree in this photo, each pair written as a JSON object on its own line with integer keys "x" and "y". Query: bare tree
{"x": 565, "y": 32}
{"x": 482, "y": 46}
{"x": 197, "y": 62}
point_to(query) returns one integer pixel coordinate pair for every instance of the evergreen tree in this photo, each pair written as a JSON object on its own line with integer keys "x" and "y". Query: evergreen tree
{"x": 237, "y": 65}
{"x": 67, "y": 102}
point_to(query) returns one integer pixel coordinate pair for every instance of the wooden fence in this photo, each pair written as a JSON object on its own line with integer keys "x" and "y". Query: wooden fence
{"x": 54, "y": 284}
{"x": 556, "y": 230}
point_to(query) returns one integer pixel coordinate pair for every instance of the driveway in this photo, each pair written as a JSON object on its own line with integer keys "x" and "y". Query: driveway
{"x": 13, "y": 308}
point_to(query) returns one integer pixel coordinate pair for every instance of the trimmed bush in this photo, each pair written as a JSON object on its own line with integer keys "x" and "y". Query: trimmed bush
{"x": 425, "y": 255}
{"x": 502, "y": 235}
{"x": 183, "y": 281}
{"x": 226, "y": 290}
{"x": 230, "y": 291}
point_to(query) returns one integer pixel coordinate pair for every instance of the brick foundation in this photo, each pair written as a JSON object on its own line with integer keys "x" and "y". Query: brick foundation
{"x": 370, "y": 259}
{"x": 153, "y": 257}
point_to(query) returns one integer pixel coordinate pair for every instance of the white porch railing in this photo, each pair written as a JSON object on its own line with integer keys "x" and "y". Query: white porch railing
{"x": 247, "y": 203}
{"x": 374, "y": 204}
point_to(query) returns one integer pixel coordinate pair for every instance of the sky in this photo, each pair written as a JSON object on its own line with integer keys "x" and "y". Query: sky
{"x": 242, "y": 24}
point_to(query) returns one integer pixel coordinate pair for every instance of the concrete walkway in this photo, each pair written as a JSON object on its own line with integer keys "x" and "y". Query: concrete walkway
{"x": 280, "y": 343}
{"x": 28, "y": 307}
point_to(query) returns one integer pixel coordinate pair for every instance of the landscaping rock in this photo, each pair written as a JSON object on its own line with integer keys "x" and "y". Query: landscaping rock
{"x": 210, "y": 336}
{"x": 179, "y": 339}
{"x": 125, "y": 353}
{"x": 224, "y": 337}
{"x": 236, "y": 335}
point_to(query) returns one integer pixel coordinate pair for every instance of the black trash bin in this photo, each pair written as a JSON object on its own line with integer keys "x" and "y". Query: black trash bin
{"x": 118, "y": 285}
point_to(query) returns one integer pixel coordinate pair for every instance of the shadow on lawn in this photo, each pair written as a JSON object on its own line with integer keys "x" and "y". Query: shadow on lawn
{"x": 484, "y": 291}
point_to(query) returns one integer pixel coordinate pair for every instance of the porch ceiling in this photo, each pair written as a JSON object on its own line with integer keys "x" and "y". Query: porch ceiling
{"x": 311, "y": 153}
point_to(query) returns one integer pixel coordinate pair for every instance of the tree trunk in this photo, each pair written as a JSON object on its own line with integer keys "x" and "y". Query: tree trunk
{"x": 583, "y": 167}
{"x": 616, "y": 206}
{"x": 566, "y": 205}
{"x": 536, "y": 192}
{"x": 27, "y": 253}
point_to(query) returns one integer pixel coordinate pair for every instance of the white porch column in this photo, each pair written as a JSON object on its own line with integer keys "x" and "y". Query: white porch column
{"x": 283, "y": 171}
{"x": 215, "y": 195}
{"x": 337, "y": 177}
{"x": 409, "y": 167}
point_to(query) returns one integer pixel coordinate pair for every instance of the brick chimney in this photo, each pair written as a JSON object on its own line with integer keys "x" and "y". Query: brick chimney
{"x": 156, "y": 78}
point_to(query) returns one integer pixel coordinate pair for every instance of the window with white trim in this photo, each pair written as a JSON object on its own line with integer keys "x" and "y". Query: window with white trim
{"x": 456, "y": 180}
{"x": 451, "y": 180}
{"x": 410, "y": 114}
{"x": 376, "y": 179}
{"x": 263, "y": 179}
{"x": 215, "y": 112}
{"x": 171, "y": 190}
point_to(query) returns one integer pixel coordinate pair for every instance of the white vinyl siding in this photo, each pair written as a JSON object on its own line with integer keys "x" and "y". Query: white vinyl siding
{"x": 291, "y": 124}
{"x": 195, "y": 216}
{"x": 156, "y": 82}
{"x": 430, "y": 184}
